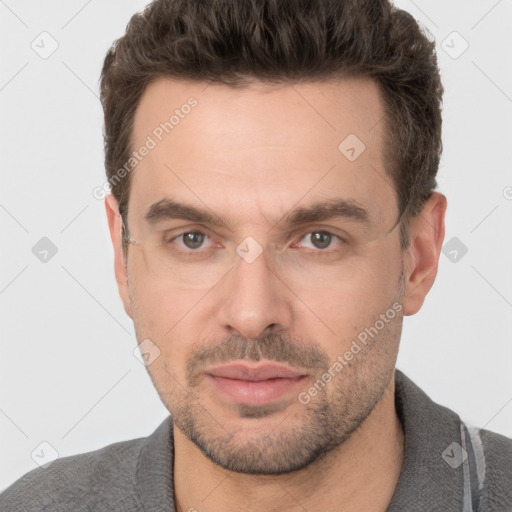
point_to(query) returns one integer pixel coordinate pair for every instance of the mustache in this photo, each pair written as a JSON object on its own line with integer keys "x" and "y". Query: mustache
{"x": 272, "y": 346}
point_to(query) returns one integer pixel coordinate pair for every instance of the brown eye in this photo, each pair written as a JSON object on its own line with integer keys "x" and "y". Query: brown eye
{"x": 193, "y": 240}
{"x": 321, "y": 239}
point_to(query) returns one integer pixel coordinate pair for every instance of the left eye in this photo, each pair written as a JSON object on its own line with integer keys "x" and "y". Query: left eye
{"x": 320, "y": 239}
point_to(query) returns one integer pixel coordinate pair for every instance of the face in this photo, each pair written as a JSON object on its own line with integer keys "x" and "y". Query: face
{"x": 272, "y": 319}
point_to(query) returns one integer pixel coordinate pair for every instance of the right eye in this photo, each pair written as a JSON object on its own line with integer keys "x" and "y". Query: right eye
{"x": 191, "y": 240}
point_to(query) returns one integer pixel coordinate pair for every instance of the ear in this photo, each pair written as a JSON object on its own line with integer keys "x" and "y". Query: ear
{"x": 115, "y": 226}
{"x": 422, "y": 256}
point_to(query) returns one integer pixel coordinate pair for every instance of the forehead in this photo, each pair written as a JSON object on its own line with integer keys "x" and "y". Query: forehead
{"x": 259, "y": 150}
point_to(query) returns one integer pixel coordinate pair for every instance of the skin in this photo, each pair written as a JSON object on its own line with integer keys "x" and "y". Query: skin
{"x": 251, "y": 155}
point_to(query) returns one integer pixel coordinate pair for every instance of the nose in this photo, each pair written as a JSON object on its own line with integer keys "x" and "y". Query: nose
{"x": 254, "y": 299}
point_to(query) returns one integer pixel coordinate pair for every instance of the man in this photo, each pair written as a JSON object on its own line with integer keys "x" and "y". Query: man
{"x": 274, "y": 216}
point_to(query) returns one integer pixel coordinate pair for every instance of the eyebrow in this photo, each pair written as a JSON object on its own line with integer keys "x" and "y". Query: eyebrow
{"x": 167, "y": 209}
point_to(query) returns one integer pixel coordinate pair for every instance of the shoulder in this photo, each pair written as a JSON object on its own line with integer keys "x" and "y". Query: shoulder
{"x": 495, "y": 453}
{"x": 482, "y": 459}
{"x": 88, "y": 481}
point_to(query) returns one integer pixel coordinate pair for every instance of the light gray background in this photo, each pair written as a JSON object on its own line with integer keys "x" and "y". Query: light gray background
{"x": 68, "y": 376}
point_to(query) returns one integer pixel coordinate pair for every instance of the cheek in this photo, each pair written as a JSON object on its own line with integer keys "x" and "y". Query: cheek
{"x": 157, "y": 305}
{"x": 354, "y": 296}
{"x": 165, "y": 315}
{"x": 379, "y": 275}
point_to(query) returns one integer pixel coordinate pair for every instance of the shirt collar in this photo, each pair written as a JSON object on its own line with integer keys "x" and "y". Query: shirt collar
{"x": 427, "y": 481}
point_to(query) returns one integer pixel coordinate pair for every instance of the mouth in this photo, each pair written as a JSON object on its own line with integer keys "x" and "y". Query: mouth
{"x": 255, "y": 385}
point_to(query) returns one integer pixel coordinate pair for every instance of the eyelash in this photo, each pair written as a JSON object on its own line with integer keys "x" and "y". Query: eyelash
{"x": 201, "y": 253}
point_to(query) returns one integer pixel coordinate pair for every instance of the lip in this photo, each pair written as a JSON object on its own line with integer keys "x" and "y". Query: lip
{"x": 255, "y": 385}
{"x": 241, "y": 371}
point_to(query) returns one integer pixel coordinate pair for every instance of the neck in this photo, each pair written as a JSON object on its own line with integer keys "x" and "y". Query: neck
{"x": 360, "y": 474}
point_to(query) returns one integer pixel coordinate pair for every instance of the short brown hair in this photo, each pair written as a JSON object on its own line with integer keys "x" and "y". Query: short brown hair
{"x": 235, "y": 42}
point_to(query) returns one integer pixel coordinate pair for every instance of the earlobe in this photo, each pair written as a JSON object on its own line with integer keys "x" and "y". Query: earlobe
{"x": 422, "y": 258}
{"x": 115, "y": 227}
